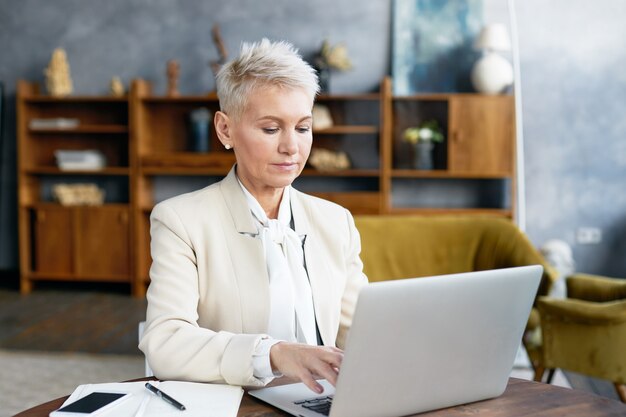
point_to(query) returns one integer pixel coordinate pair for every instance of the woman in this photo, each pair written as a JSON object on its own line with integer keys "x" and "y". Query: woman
{"x": 250, "y": 278}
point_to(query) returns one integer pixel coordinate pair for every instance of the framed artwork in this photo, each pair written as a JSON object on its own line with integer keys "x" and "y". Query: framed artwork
{"x": 432, "y": 45}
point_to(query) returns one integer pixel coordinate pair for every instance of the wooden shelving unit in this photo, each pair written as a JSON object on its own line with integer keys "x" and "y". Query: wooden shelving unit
{"x": 53, "y": 170}
{"x": 145, "y": 140}
{"x": 160, "y": 132}
{"x": 436, "y": 173}
{"x": 478, "y": 153}
{"x": 88, "y": 129}
{"x": 355, "y": 173}
{"x": 454, "y": 211}
{"x": 348, "y": 130}
{"x": 73, "y": 243}
{"x": 357, "y": 130}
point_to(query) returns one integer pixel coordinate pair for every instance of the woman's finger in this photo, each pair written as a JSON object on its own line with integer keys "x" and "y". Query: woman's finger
{"x": 334, "y": 359}
{"x": 326, "y": 365}
{"x": 307, "y": 363}
{"x": 327, "y": 372}
{"x": 309, "y": 381}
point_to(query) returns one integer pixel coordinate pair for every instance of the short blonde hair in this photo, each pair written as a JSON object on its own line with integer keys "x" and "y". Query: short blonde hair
{"x": 260, "y": 64}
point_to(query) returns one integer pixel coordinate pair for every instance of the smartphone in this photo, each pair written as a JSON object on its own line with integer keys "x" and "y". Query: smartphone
{"x": 91, "y": 404}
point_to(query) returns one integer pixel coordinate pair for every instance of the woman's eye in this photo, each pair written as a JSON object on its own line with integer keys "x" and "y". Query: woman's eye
{"x": 303, "y": 129}
{"x": 270, "y": 130}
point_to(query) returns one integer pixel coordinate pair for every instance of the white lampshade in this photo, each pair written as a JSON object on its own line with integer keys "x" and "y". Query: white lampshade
{"x": 493, "y": 37}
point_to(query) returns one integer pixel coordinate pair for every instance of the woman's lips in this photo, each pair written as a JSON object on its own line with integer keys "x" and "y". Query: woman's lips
{"x": 286, "y": 166}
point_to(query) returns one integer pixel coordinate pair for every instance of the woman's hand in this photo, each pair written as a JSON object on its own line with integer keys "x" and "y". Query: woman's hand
{"x": 305, "y": 362}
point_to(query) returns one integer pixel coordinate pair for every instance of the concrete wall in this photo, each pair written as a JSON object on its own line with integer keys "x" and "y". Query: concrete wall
{"x": 572, "y": 58}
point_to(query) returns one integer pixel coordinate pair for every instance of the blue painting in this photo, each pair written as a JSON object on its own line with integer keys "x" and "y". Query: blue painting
{"x": 432, "y": 45}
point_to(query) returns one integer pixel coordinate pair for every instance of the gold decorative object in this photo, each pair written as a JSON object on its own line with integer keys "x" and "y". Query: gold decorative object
{"x": 327, "y": 160}
{"x": 117, "y": 87}
{"x": 322, "y": 118}
{"x": 78, "y": 194}
{"x": 58, "y": 79}
{"x": 334, "y": 57}
{"x": 173, "y": 71}
{"x": 330, "y": 58}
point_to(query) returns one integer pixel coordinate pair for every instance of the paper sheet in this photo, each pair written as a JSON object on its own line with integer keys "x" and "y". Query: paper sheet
{"x": 215, "y": 400}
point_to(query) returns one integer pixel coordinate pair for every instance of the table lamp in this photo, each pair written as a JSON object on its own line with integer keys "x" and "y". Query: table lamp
{"x": 492, "y": 73}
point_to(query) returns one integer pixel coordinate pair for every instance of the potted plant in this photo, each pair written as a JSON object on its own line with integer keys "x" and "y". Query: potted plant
{"x": 423, "y": 137}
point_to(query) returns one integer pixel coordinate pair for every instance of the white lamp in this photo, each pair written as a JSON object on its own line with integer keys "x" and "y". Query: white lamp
{"x": 492, "y": 73}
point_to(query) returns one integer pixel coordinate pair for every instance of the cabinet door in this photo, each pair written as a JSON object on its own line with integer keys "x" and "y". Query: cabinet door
{"x": 481, "y": 132}
{"x": 102, "y": 243}
{"x": 53, "y": 240}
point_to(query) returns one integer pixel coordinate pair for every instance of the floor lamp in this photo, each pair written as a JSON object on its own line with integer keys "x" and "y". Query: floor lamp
{"x": 520, "y": 191}
{"x": 1, "y": 125}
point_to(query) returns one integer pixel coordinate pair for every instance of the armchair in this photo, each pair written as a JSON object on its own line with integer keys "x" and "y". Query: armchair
{"x": 395, "y": 247}
{"x": 585, "y": 333}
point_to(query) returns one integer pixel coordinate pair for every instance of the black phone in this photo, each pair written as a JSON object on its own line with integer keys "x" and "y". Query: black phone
{"x": 90, "y": 404}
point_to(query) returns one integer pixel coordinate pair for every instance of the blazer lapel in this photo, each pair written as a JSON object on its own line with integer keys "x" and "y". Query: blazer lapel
{"x": 237, "y": 204}
{"x": 248, "y": 259}
{"x": 319, "y": 276}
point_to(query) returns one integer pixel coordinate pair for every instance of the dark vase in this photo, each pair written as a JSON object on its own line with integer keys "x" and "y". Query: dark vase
{"x": 323, "y": 75}
{"x": 199, "y": 130}
{"x": 423, "y": 155}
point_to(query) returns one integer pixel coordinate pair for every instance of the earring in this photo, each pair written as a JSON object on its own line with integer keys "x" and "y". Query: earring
{"x": 227, "y": 146}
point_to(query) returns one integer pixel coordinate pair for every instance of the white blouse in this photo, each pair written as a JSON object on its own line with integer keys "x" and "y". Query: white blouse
{"x": 292, "y": 317}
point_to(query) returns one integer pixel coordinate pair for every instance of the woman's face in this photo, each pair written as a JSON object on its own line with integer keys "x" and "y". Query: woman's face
{"x": 272, "y": 139}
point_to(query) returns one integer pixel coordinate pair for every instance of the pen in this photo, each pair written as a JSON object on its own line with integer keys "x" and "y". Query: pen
{"x": 164, "y": 396}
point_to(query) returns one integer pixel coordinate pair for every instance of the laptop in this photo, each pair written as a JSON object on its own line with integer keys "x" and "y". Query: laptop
{"x": 422, "y": 344}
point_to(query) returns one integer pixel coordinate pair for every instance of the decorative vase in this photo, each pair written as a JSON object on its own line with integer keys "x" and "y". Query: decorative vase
{"x": 492, "y": 74}
{"x": 199, "y": 130}
{"x": 423, "y": 155}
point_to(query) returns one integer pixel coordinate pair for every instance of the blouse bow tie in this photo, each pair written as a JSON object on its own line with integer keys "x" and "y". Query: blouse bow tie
{"x": 289, "y": 280}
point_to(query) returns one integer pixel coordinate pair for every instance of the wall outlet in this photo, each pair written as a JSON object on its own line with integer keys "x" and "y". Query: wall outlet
{"x": 589, "y": 235}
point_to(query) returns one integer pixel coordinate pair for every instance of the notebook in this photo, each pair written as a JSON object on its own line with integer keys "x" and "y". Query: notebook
{"x": 423, "y": 344}
{"x": 215, "y": 400}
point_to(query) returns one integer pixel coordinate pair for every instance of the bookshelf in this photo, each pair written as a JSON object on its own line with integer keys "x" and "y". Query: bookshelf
{"x": 145, "y": 138}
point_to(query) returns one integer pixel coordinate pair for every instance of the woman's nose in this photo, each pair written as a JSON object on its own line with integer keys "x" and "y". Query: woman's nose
{"x": 288, "y": 143}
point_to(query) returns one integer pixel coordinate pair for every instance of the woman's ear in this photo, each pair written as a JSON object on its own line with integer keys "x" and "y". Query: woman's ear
{"x": 222, "y": 128}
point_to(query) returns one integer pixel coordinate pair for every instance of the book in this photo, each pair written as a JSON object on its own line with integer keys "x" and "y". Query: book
{"x": 199, "y": 399}
{"x": 86, "y": 159}
{"x": 53, "y": 123}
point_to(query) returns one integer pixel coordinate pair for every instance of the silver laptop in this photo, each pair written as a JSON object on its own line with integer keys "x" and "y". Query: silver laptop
{"x": 423, "y": 344}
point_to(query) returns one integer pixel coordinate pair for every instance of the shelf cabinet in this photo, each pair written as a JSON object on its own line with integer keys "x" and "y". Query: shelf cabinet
{"x": 72, "y": 243}
{"x": 82, "y": 243}
{"x": 474, "y": 166}
{"x": 160, "y": 138}
{"x": 53, "y": 241}
{"x": 102, "y": 236}
{"x": 146, "y": 141}
{"x": 481, "y": 132}
{"x": 357, "y": 130}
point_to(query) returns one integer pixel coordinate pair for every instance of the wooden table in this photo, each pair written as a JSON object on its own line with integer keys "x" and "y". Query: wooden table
{"x": 521, "y": 398}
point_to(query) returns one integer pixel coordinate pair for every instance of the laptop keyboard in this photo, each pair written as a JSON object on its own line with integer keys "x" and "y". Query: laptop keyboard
{"x": 319, "y": 405}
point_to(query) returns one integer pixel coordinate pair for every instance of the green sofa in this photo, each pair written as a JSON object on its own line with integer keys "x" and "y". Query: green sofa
{"x": 400, "y": 246}
{"x": 395, "y": 247}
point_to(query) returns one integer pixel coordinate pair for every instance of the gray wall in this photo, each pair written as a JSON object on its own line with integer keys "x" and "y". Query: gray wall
{"x": 572, "y": 58}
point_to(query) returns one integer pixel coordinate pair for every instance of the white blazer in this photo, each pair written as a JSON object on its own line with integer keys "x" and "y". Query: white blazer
{"x": 208, "y": 300}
